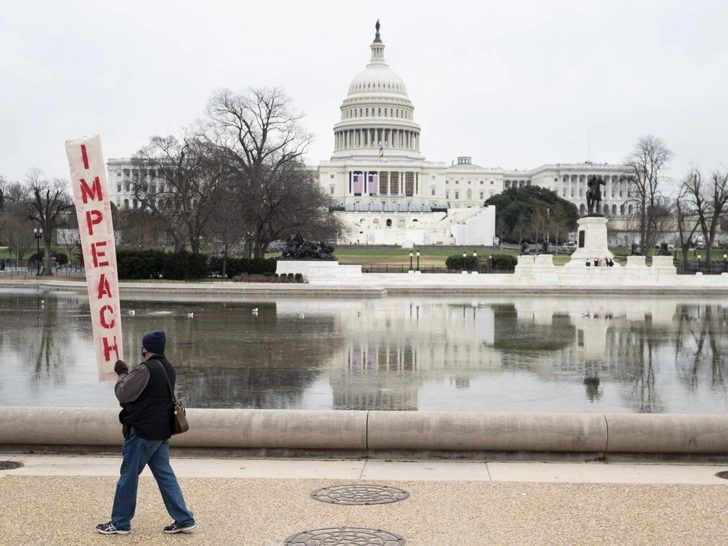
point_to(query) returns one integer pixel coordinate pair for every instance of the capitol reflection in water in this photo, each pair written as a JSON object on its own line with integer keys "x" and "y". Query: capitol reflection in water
{"x": 597, "y": 354}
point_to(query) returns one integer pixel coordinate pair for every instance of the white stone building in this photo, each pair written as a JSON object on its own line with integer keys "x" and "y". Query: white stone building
{"x": 388, "y": 193}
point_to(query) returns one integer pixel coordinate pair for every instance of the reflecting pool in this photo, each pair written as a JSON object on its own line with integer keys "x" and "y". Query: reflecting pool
{"x": 543, "y": 353}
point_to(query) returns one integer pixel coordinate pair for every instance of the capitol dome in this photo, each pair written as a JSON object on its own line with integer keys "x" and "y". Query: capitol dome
{"x": 378, "y": 78}
{"x": 377, "y": 114}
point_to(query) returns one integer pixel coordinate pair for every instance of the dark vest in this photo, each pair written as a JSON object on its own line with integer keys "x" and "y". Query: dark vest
{"x": 151, "y": 414}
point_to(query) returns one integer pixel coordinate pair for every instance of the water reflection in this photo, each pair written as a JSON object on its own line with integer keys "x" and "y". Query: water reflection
{"x": 420, "y": 353}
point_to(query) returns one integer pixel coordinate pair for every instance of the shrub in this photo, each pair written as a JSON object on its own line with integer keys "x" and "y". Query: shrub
{"x": 456, "y": 262}
{"x": 299, "y": 277}
{"x": 238, "y": 266}
{"x": 154, "y": 264}
{"x": 504, "y": 261}
{"x": 61, "y": 258}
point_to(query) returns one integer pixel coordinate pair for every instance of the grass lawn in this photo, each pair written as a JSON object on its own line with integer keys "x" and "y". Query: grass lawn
{"x": 430, "y": 256}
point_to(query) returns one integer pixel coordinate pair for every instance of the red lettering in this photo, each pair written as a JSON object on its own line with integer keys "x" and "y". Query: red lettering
{"x": 84, "y": 155}
{"x": 93, "y": 217}
{"x": 108, "y": 348}
{"x": 94, "y": 192}
{"x": 102, "y": 315}
{"x": 97, "y": 253}
{"x": 104, "y": 288}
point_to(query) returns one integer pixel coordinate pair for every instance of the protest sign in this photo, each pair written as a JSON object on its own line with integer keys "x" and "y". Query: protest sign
{"x": 93, "y": 208}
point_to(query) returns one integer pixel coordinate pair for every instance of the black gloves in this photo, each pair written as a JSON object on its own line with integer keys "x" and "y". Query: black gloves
{"x": 121, "y": 367}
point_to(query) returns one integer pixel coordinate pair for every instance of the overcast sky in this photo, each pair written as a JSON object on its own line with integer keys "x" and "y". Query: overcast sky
{"x": 513, "y": 84}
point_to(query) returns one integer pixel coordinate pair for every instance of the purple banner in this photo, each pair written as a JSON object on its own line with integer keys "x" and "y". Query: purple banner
{"x": 373, "y": 182}
{"x": 358, "y": 182}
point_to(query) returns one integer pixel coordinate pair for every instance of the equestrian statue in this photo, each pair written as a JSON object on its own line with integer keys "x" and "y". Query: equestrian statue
{"x": 594, "y": 195}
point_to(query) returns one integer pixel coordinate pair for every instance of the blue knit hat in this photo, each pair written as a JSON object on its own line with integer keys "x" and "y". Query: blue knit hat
{"x": 155, "y": 342}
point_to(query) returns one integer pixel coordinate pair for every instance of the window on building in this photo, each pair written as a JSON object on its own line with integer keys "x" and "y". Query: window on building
{"x": 457, "y": 195}
{"x": 482, "y": 194}
{"x": 118, "y": 188}
{"x": 433, "y": 190}
{"x": 491, "y": 182}
{"x": 389, "y": 222}
{"x": 126, "y": 187}
{"x": 118, "y": 173}
{"x": 332, "y": 176}
{"x": 380, "y": 112}
{"x": 470, "y": 193}
{"x": 136, "y": 204}
{"x": 331, "y": 190}
{"x": 447, "y": 194}
{"x": 457, "y": 181}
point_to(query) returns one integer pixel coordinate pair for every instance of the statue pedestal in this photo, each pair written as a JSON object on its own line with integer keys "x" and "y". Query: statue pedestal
{"x": 318, "y": 270}
{"x": 593, "y": 242}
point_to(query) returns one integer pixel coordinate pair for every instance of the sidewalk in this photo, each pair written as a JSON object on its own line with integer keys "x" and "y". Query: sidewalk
{"x": 58, "y": 500}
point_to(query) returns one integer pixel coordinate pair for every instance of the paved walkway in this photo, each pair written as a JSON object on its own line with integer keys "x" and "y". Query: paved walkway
{"x": 57, "y": 500}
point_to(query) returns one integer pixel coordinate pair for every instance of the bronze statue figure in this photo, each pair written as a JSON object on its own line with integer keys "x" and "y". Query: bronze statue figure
{"x": 297, "y": 248}
{"x": 594, "y": 195}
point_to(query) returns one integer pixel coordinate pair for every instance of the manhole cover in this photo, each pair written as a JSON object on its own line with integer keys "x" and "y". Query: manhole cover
{"x": 344, "y": 536}
{"x": 723, "y": 475}
{"x": 360, "y": 494}
{"x": 9, "y": 465}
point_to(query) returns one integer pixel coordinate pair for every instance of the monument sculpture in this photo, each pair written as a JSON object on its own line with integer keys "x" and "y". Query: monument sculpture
{"x": 664, "y": 250}
{"x": 297, "y": 248}
{"x": 636, "y": 250}
{"x": 544, "y": 248}
{"x": 525, "y": 248}
{"x": 594, "y": 195}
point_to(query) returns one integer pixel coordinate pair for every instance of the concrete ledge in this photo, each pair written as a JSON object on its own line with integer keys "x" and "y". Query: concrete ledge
{"x": 461, "y": 431}
{"x": 274, "y": 429}
{"x": 372, "y": 433}
{"x": 689, "y": 434}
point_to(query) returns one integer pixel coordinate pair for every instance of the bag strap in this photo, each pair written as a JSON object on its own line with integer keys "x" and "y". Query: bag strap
{"x": 169, "y": 384}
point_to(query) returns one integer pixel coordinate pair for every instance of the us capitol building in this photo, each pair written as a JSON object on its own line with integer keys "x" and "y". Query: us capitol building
{"x": 388, "y": 193}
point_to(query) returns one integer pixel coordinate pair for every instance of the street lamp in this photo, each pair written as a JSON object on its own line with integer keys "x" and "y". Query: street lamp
{"x": 410, "y": 260}
{"x": 699, "y": 258}
{"x": 38, "y": 232}
{"x": 475, "y": 261}
{"x": 418, "y": 260}
{"x": 465, "y": 256}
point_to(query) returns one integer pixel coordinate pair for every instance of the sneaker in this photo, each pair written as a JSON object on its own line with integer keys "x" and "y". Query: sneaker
{"x": 177, "y": 528}
{"x": 109, "y": 529}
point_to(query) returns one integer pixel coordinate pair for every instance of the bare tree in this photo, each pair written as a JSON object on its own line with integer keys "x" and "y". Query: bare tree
{"x": 260, "y": 143}
{"x": 687, "y": 224}
{"x": 708, "y": 200}
{"x": 225, "y": 225}
{"x": 3, "y": 186}
{"x": 140, "y": 228}
{"x": 47, "y": 202}
{"x": 646, "y": 179}
{"x": 16, "y": 230}
{"x": 175, "y": 179}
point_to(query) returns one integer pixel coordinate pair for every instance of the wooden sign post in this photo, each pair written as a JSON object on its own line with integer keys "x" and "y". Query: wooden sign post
{"x": 93, "y": 208}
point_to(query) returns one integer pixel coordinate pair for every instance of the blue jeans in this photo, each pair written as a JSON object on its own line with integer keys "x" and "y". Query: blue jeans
{"x": 137, "y": 453}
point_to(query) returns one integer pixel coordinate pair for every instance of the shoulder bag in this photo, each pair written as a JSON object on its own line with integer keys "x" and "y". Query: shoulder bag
{"x": 179, "y": 423}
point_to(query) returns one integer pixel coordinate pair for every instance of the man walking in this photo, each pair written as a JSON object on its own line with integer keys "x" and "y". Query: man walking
{"x": 146, "y": 417}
